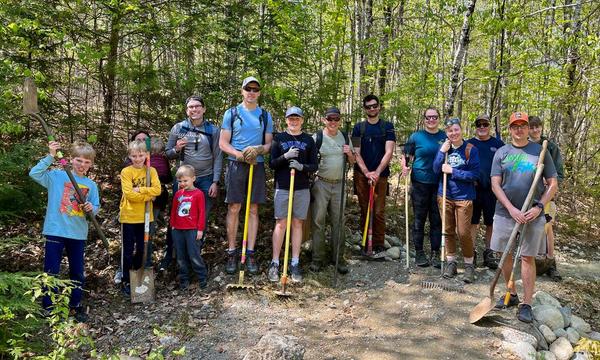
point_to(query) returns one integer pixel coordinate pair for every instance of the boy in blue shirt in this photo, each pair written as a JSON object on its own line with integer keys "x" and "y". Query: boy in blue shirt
{"x": 65, "y": 226}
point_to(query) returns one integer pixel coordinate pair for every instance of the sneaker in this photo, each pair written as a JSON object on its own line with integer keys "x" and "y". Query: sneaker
{"x": 435, "y": 259}
{"x": 489, "y": 259}
{"x": 553, "y": 271}
{"x": 183, "y": 285}
{"x": 251, "y": 264}
{"x": 231, "y": 266}
{"x": 524, "y": 313}
{"x": 78, "y": 314}
{"x": 315, "y": 267}
{"x": 273, "y": 273}
{"x": 126, "y": 290}
{"x": 450, "y": 270}
{"x": 164, "y": 264}
{"x": 118, "y": 277}
{"x": 512, "y": 301}
{"x": 421, "y": 259}
{"x": 296, "y": 273}
{"x": 469, "y": 275}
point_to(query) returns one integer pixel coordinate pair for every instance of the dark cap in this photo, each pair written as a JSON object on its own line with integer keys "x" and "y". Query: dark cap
{"x": 332, "y": 111}
{"x": 481, "y": 118}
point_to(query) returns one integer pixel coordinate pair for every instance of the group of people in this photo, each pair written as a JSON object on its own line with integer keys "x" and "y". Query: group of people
{"x": 478, "y": 171}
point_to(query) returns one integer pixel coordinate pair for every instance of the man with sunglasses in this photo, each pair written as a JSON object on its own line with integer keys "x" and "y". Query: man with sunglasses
{"x": 377, "y": 142}
{"x": 422, "y": 146}
{"x": 327, "y": 193}
{"x": 512, "y": 174}
{"x": 485, "y": 201}
{"x": 246, "y": 135}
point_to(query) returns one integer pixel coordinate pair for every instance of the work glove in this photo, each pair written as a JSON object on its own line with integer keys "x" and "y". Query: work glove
{"x": 250, "y": 154}
{"x": 292, "y": 153}
{"x": 294, "y": 164}
{"x": 240, "y": 158}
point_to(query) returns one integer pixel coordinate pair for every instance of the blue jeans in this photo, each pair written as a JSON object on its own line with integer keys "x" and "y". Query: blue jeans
{"x": 424, "y": 200}
{"x": 189, "y": 249}
{"x": 54, "y": 250}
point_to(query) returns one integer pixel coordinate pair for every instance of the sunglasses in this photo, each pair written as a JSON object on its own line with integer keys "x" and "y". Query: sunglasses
{"x": 252, "y": 89}
{"x": 482, "y": 125}
{"x": 432, "y": 117}
{"x": 453, "y": 121}
{"x": 371, "y": 107}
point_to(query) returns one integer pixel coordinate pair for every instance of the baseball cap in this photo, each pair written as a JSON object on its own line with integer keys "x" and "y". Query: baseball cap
{"x": 332, "y": 111}
{"x": 518, "y": 116}
{"x": 481, "y": 118}
{"x": 248, "y": 80}
{"x": 294, "y": 110}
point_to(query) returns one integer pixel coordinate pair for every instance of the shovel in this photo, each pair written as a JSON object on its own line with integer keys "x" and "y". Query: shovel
{"x": 288, "y": 230}
{"x": 30, "y": 107}
{"x": 511, "y": 283}
{"x": 142, "y": 280}
{"x": 240, "y": 284}
{"x": 487, "y": 304}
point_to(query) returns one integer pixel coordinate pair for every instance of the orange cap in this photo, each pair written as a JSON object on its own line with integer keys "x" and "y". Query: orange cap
{"x": 518, "y": 116}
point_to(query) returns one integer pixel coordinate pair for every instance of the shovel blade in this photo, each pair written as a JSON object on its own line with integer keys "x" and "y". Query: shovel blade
{"x": 479, "y": 311}
{"x": 30, "y": 105}
{"x": 142, "y": 289}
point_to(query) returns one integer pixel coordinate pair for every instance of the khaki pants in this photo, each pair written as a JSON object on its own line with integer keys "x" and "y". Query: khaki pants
{"x": 458, "y": 224}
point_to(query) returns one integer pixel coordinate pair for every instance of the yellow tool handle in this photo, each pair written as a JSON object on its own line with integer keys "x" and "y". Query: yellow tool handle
{"x": 288, "y": 227}
{"x": 247, "y": 214}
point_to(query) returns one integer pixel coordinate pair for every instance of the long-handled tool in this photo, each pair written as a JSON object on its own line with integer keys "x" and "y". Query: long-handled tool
{"x": 142, "y": 280}
{"x": 487, "y": 304}
{"x": 288, "y": 230}
{"x": 30, "y": 107}
{"x": 444, "y": 186}
{"x": 368, "y": 230}
{"x": 341, "y": 231}
{"x": 516, "y": 255}
{"x": 240, "y": 284}
{"x": 406, "y": 183}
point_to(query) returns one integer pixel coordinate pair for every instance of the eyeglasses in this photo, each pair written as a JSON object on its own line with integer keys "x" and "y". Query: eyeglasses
{"x": 432, "y": 117}
{"x": 336, "y": 119}
{"x": 194, "y": 106}
{"x": 252, "y": 89}
{"x": 371, "y": 107}
{"x": 482, "y": 125}
{"x": 453, "y": 121}
{"x": 519, "y": 127}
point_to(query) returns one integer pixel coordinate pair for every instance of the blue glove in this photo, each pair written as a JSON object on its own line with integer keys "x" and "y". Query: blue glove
{"x": 294, "y": 164}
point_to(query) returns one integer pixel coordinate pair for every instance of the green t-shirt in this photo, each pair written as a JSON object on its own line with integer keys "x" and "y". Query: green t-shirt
{"x": 332, "y": 156}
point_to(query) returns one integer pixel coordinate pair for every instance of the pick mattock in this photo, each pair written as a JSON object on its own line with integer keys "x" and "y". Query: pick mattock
{"x": 487, "y": 304}
{"x": 240, "y": 284}
{"x": 341, "y": 238}
{"x": 288, "y": 230}
{"x": 142, "y": 280}
{"x": 30, "y": 107}
{"x": 444, "y": 185}
{"x": 511, "y": 283}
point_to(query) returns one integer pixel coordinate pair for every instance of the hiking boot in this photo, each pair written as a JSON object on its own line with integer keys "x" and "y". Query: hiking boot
{"x": 126, "y": 290}
{"x": 450, "y": 270}
{"x": 512, "y": 301}
{"x": 435, "y": 259}
{"x": 231, "y": 266}
{"x": 251, "y": 264}
{"x": 78, "y": 314}
{"x": 524, "y": 313}
{"x": 469, "y": 275}
{"x": 315, "y": 267}
{"x": 273, "y": 273}
{"x": 296, "y": 273}
{"x": 489, "y": 259}
{"x": 421, "y": 259}
{"x": 553, "y": 271}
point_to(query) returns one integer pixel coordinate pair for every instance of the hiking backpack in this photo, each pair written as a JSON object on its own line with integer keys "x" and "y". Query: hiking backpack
{"x": 263, "y": 121}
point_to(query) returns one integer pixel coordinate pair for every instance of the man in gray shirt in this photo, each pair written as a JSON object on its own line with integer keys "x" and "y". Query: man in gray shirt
{"x": 195, "y": 142}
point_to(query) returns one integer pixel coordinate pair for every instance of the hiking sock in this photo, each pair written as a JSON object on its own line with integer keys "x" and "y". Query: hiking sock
{"x": 275, "y": 261}
{"x": 295, "y": 261}
{"x": 249, "y": 252}
{"x": 468, "y": 260}
{"x": 452, "y": 258}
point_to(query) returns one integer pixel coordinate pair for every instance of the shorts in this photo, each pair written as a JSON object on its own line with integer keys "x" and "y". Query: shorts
{"x": 236, "y": 180}
{"x": 534, "y": 242}
{"x": 299, "y": 206}
{"x": 485, "y": 202}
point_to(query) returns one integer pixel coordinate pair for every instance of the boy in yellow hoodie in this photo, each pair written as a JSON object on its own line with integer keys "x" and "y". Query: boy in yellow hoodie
{"x": 131, "y": 216}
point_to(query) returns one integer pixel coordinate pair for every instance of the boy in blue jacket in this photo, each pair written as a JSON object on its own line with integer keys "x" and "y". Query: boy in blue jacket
{"x": 65, "y": 226}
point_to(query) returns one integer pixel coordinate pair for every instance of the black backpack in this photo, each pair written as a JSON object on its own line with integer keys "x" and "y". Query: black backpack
{"x": 263, "y": 120}
{"x": 208, "y": 129}
{"x": 319, "y": 142}
{"x": 363, "y": 127}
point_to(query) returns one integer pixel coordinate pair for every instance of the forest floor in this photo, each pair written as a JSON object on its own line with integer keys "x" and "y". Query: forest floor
{"x": 377, "y": 311}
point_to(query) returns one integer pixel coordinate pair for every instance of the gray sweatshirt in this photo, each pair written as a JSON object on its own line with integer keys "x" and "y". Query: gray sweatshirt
{"x": 197, "y": 152}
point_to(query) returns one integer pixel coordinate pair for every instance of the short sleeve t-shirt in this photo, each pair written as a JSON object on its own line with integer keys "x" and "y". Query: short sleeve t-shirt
{"x": 372, "y": 144}
{"x": 424, "y": 146}
{"x": 517, "y": 166}
{"x": 247, "y": 128}
{"x": 332, "y": 156}
{"x": 487, "y": 149}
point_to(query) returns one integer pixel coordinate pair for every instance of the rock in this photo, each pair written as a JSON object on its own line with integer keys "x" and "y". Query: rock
{"x": 393, "y": 252}
{"x": 549, "y": 315}
{"x": 580, "y": 325}
{"x": 357, "y": 248}
{"x": 543, "y": 298}
{"x": 277, "y": 347}
{"x": 581, "y": 355}
{"x": 516, "y": 336}
{"x": 567, "y": 315}
{"x": 127, "y": 357}
{"x": 560, "y": 333}
{"x": 168, "y": 340}
{"x": 548, "y": 333}
{"x": 393, "y": 240}
{"x": 562, "y": 349}
{"x": 572, "y": 335}
{"x": 522, "y": 349}
{"x": 545, "y": 355}
{"x": 217, "y": 279}
{"x": 594, "y": 335}
{"x": 386, "y": 244}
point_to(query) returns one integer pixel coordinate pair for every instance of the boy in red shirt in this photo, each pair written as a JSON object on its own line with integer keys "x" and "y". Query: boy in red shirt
{"x": 187, "y": 223}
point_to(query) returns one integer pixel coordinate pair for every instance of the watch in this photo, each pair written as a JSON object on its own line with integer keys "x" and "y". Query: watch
{"x": 539, "y": 204}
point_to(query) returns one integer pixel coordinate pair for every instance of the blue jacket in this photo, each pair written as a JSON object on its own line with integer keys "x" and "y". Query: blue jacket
{"x": 461, "y": 183}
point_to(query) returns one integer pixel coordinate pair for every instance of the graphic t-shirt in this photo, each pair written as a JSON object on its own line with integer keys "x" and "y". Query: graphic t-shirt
{"x": 187, "y": 212}
{"x": 517, "y": 166}
{"x": 461, "y": 183}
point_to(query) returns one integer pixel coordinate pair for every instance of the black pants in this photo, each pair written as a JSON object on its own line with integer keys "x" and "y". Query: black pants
{"x": 424, "y": 201}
